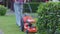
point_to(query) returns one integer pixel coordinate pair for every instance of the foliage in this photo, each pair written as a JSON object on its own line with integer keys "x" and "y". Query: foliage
{"x": 34, "y": 0}
{"x": 33, "y": 5}
{"x": 49, "y": 18}
{"x": 2, "y": 10}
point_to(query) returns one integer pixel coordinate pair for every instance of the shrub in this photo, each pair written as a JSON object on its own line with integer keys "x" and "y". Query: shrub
{"x": 33, "y": 5}
{"x": 49, "y": 18}
{"x": 2, "y": 10}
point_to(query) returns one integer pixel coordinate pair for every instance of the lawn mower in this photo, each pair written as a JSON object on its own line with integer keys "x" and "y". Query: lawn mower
{"x": 29, "y": 27}
{"x": 28, "y": 23}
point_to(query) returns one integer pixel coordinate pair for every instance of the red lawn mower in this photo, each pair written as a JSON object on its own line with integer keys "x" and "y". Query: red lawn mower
{"x": 29, "y": 28}
{"x": 28, "y": 23}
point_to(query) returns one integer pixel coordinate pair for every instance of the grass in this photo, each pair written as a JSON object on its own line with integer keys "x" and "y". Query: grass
{"x": 8, "y": 25}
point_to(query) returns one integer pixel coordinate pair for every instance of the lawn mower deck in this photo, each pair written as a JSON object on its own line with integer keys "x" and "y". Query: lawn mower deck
{"x": 28, "y": 25}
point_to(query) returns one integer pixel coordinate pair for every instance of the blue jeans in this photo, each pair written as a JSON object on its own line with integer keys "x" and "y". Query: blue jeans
{"x": 18, "y": 8}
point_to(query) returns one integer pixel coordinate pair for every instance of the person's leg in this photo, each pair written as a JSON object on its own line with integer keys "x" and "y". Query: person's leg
{"x": 18, "y": 12}
{"x": 21, "y": 14}
{"x": 16, "y": 9}
{"x": 21, "y": 10}
{"x": 19, "y": 19}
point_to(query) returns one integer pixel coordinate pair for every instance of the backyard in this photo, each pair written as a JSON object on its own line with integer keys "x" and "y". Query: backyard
{"x": 8, "y": 25}
{"x": 47, "y": 16}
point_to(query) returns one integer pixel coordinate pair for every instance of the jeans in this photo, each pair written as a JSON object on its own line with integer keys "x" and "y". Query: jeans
{"x": 18, "y": 8}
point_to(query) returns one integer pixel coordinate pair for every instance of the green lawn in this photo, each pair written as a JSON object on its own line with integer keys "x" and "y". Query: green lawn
{"x": 8, "y": 25}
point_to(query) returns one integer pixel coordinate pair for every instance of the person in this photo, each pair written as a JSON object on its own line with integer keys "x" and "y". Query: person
{"x": 18, "y": 8}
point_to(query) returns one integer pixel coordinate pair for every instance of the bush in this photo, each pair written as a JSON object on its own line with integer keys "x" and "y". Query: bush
{"x": 49, "y": 18}
{"x": 34, "y": 7}
{"x": 2, "y": 10}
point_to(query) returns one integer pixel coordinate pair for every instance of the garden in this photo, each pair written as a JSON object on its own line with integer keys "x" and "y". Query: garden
{"x": 48, "y": 20}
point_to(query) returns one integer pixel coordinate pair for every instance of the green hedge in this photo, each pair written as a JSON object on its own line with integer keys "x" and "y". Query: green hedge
{"x": 49, "y": 18}
{"x": 34, "y": 7}
{"x": 34, "y": 0}
{"x": 2, "y": 10}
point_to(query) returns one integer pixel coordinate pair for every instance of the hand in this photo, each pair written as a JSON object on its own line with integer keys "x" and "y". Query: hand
{"x": 25, "y": 1}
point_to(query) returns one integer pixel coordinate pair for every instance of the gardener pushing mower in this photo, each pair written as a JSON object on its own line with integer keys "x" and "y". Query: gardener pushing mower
{"x": 25, "y": 22}
{"x": 18, "y": 8}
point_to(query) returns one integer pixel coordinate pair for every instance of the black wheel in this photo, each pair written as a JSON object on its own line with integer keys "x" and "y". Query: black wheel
{"x": 31, "y": 33}
{"x": 26, "y": 32}
{"x": 22, "y": 25}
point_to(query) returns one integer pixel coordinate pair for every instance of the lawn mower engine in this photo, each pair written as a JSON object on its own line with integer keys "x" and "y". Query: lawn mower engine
{"x": 29, "y": 27}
